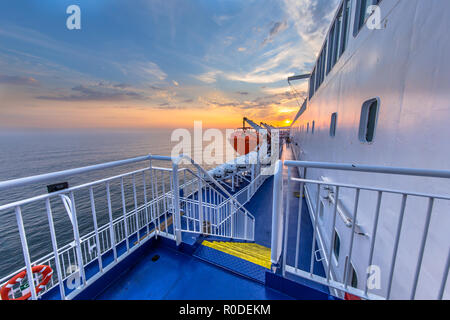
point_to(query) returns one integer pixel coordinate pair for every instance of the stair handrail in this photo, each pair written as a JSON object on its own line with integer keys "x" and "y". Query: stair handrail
{"x": 216, "y": 183}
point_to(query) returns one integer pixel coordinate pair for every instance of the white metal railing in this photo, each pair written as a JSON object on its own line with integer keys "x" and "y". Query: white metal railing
{"x": 246, "y": 194}
{"x": 125, "y": 211}
{"x": 212, "y": 210}
{"x": 399, "y": 241}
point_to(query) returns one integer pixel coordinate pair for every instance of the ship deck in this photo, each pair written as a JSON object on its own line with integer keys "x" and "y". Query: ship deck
{"x": 160, "y": 270}
{"x": 163, "y": 272}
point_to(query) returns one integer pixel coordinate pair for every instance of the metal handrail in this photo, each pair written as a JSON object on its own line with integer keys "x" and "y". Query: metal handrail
{"x": 76, "y": 248}
{"x": 328, "y": 280}
{"x": 370, "y": 169}
{"x": 216, "y": 183}
{"x": 70, "y": 172}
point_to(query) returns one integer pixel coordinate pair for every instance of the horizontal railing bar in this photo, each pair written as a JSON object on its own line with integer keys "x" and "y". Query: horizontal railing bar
{"x": 65, "y": 173}
{"x": 75, "y": 188}
{"x": 370, "y": 169}
{"x": 353, "y": 186}
{"x": 159, "y": 158}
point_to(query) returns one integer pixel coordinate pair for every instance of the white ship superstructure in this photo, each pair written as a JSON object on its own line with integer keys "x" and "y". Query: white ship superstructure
{"x": 380, "y": 97}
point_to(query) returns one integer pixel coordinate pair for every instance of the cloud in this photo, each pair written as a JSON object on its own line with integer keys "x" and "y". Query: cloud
{"x": 228, "y": 40}
{"x": 145, "y": 71}
{"x": 96, "y": 93}
{"x": 259, "y": 77}
{"x": 167, "y": 106}
{"x": 151, "y": 69}
{"x": 208, "y": 77}
{"x": 311, "y": 19}
{"x": 263, "y": 102}
{"x": 276, "y": 28}
{"x": 220, "y": 20}
{"x": 121, "y": 86}
{"x": 276, "y": 90}
{"x": 297, "y": 49}
{"x": 157, "y": 88}
{"x": 18, "y": 80}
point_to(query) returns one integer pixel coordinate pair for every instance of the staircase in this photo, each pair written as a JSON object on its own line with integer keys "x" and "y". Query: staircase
{"x": 246, "y": 259}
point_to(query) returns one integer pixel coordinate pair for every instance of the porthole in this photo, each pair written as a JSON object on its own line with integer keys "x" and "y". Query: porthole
{"x": 333, "y": 124}
{"x": 336, "y": 245}
{"x": 368, "y": 121}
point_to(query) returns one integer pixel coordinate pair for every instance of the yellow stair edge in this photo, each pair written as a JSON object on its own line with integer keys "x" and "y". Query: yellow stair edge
{"x": 245, "y": 248}
{"x": 248, "y": 250}
{"x": 244, "y": 251}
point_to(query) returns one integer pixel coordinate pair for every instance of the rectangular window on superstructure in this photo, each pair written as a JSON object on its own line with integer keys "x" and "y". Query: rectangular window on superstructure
{"x": 337, "y": 38}
{"x": 336, "y": 245}
{"x": 319, "y": 71}
{"x": 321, "y": 68}
{"x": 363, "y": 4}
{"x": 325, "y": 47}
{"x": 346, "y": 21}
{"x": 311, "y": 84}
{"x": 333, "y": 124}
{"x": 324, "y": 56}
{"x": 362, "y": 13}
{"x": 330, "y": 51}
{"x": 369, "y": 119}
{"x": 317, "y": 80}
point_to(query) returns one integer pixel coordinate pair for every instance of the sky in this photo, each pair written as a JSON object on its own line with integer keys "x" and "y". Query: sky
{"x": 156, "y": 63}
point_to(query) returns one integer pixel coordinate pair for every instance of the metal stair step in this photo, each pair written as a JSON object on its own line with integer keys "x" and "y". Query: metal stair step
{"x": 252, "y": 253}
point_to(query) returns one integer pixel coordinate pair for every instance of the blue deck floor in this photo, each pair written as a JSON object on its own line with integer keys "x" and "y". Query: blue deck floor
{"x": 177, "y": 276}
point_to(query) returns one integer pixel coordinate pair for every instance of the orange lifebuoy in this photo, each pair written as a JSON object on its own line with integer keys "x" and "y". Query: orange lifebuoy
{"x": 46, "y": 272}
{"x": 349, "y": 296}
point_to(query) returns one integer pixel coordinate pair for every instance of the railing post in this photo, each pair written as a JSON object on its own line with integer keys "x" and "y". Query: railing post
{"x": 444, "y": 279}
{"x": 55, "y": 248}
{"x": 112, "y": 233}
{"x": 277, "y": 213}
{"x": 286, "y": 224}
{"x": 26, "y": 253}
{"x": 147, "y": 221}
{"x": 97, "y": 239}
{"x": 176, "y": 202}
{"x": 200, "y": 202}
{"x": 76, "y": 234}
{"x": 252, "y": 185}
{"x": 232, "y": 218}
{"x": 124, "y": 208}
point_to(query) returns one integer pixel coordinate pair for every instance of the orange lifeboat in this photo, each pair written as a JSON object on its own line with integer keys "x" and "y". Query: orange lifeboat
{"x": 244, "y": 141}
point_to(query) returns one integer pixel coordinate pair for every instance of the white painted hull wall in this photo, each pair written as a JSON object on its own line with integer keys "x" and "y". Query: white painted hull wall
{"x": 406, "y": 65}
